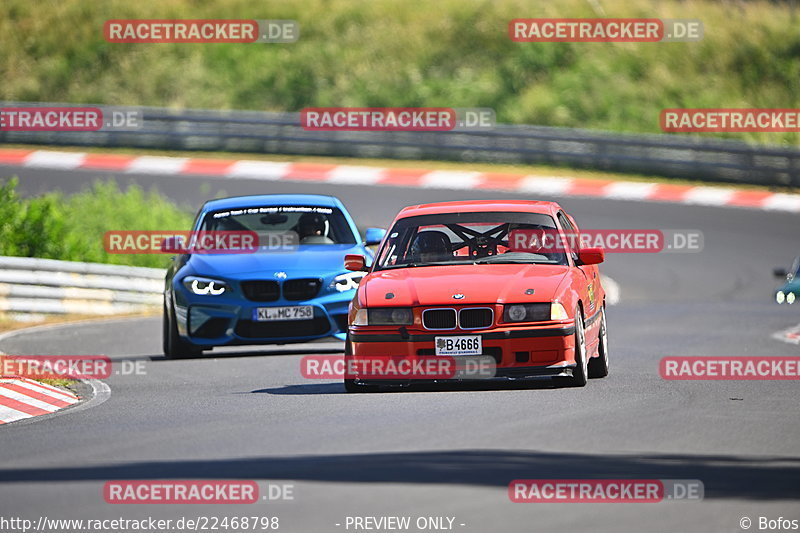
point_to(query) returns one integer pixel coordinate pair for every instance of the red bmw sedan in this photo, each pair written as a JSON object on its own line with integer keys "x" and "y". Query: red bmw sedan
{"x": 479, "y": 278}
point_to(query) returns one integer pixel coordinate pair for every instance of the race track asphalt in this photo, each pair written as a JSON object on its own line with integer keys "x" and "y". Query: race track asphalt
{"x": 248, "y": 413}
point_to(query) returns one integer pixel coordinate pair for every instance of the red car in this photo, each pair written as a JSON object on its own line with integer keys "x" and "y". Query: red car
{"x": 477, "y": 278}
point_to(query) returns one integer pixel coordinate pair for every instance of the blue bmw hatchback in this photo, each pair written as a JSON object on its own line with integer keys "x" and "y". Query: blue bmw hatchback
{"x": 293, "y": 291}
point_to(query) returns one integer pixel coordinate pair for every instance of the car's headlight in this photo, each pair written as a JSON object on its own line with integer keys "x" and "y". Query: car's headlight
{"x": 347, "y": 282}
{"x": 790, "y": 298}
{"x": 205, "y": 286}
{"x": 537, "y": 312}
{"x": 384, "y": 316}
{"x": 780, "y": 297}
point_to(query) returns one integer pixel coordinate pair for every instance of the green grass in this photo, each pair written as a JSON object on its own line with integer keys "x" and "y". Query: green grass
{"x": 63, "y": 383}
{"x": 452, "y": 53}
{"x": 71, "y": 228}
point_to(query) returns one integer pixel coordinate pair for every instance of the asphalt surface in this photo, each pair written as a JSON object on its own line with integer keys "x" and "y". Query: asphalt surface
{"x": 248, "y": 414}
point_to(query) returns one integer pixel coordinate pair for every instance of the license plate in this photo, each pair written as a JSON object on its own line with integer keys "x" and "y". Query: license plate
{"x": 293, "y": 312}
{"x": 461, "y": 345}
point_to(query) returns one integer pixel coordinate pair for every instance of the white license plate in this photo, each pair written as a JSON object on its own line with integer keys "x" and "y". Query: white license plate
{"x": 460, "y": 345}
{"x": 293, "y": 312}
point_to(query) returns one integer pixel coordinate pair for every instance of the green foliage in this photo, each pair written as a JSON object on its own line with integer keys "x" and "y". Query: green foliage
{"x": 454, "y": 53}
{"x": 55, "y": 226}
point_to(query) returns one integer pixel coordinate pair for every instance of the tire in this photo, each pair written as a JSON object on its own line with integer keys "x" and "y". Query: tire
{"x": 175, "y": 347}
{"x": 580, "y": 372}
{"x": 350, "y": 385}
{"x": 165, "y": 325}
{"x": 598, "y": 366}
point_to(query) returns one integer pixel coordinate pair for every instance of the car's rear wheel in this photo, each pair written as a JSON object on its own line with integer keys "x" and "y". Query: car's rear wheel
{"x": 175, "y": 347}
{"x": 581, "y": 371}
{"x": 351, "y": 385}
{"x": 598, "y": 366}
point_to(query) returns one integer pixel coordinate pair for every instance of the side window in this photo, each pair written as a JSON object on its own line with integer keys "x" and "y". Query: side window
{"x": 389, "y": 253}
{"x": 396, "y": 247}
{"x": 569, "y": 230}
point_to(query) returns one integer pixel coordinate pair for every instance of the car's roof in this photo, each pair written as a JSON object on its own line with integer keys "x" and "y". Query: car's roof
{"x": 311, "y": 200}
{"x": 525, "y": 206}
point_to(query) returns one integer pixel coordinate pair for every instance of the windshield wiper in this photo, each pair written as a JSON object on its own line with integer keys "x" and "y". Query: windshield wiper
{"x": 501, "y": 260}
{"x": 430, "y": 263}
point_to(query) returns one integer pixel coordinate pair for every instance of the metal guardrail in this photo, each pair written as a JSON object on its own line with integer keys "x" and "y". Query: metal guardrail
{"x": 678, "y": 156}
{"x": 31, "y": 285}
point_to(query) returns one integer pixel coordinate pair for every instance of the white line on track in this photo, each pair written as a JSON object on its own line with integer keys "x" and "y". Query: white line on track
{"x": 613, "y": 292}
{"x": 789, "y": 336}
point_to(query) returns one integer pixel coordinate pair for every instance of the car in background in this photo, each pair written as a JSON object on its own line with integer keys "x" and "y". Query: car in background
{"x": 454, "y": 279}
{"x": 789, "y": 292}
{"x": 290, "y": 288}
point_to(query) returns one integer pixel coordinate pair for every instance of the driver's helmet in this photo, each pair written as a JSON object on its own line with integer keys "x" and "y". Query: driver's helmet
{"x": 430, "y": 246}
{"x": 312, "y": 224}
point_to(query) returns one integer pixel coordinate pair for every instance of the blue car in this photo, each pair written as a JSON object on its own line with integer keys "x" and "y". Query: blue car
{"x": 292, "y": 288}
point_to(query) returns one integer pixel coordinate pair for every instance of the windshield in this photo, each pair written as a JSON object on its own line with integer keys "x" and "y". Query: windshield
{"x": 303, "y": 224}
{"x": 464, "y": 238}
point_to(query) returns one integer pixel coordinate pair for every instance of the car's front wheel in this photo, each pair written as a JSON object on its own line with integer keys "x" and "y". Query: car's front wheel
{"x": 598, "y": 366}
{"x": 174, "y": 346}
{"x": 581, "y": 371}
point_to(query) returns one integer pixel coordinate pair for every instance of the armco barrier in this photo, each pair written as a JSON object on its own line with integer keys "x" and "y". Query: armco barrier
{"x": 671, "y": 155}
{"x": 31, "y": 285}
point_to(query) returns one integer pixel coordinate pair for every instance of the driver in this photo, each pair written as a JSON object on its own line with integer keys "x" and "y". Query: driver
{"x": 430, "y": 246}
{"x": 313, "y": 228}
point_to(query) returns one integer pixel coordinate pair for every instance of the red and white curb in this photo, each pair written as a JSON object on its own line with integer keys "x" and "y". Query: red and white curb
{"x": 25, "y": 398}
{"x": 405, "y": 177}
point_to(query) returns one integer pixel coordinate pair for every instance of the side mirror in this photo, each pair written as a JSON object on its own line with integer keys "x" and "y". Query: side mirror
{"x": 591, "y": 256}
{"x": 779, "y": 272}
{"x": 374, "y": 236}
{"x": 355, "y": 262}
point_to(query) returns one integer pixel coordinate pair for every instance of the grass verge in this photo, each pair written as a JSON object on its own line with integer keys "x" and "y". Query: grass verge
{"x": 451, "y": 53}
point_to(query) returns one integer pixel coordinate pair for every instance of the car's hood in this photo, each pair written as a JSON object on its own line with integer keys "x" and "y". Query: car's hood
{"x": 484, "y": 284}
{"x": 315, "y": 260}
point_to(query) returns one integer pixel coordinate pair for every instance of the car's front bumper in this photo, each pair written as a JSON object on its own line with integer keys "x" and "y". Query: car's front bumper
{"x": 209, "y": 321}
{"x": 518, "y": 353}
